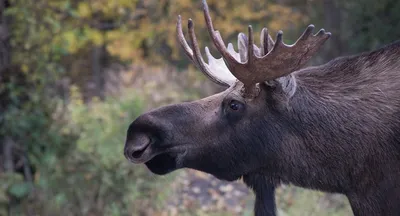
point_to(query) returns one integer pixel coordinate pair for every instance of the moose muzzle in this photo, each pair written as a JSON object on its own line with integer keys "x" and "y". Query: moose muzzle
{"x": 137, "y": 149}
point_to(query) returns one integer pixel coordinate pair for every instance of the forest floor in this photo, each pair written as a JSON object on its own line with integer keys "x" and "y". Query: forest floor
{"x": 197, "y": 193}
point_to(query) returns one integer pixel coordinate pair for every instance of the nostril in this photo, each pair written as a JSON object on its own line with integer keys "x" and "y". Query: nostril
{"x": 138, "y": 153}
{"x": 137, "y": 146}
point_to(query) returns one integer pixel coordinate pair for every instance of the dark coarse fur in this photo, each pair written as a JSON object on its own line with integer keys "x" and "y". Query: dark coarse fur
{"x": 334, "y": 128}
{"x": 343, "y": 131}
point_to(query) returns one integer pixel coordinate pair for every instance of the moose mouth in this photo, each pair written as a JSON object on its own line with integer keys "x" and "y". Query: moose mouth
{"x": 163, "y": 163}
{"x": 158, "y": 160}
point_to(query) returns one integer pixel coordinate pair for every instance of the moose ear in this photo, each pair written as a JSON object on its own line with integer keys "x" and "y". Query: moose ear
{"x": 285, "y": 87}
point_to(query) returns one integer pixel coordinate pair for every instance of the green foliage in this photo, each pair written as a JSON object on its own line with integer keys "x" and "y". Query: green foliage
{"x": 356, "y": 26}
{"x": 32, "y": 125}
{"x": 20, "y": 190}
{"x": 102, "y": 127}
{"x": 12, "y": 185}
{"x": 372, "y": 24}
{"x": 94, "y": 176}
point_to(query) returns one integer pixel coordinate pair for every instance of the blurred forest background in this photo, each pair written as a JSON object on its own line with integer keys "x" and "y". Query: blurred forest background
{"x": 74, "y": 74}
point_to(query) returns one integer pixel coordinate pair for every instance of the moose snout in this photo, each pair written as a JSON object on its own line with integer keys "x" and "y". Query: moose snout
{"x": 137, "y": 148}
{"x": 147, "y": 134}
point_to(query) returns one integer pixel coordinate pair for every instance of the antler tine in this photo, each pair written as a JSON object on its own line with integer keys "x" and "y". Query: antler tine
{"x": 242, "y": 46}
{"x": 196, "y": 50}
{"x": 278, "y": 41}
{"x": 284, "y": 59}
{"x": 250, "y": 52}
{"x": 199, "y": 59}
{"x": 308, "y": 32}
{"x": 217, "y": 39}
{"x": 217, "y": 70}
{"x": 266, "y": 42}
{"x": 182, "y": 41}
{"x": 306, "y": 46}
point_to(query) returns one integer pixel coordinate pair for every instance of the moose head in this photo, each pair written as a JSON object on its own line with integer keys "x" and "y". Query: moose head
{"x": 333, "y": 127}
{"x": 237, "y": 131}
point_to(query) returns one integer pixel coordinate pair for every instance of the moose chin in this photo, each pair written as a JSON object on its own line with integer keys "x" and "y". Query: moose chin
{"x": 333, "y": 127}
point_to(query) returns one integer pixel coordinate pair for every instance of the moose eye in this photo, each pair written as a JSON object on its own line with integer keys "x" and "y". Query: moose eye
{"x": 235, "y": 105}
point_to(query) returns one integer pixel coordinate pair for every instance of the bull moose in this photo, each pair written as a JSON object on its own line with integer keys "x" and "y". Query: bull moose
{"x": 333, "y": 127}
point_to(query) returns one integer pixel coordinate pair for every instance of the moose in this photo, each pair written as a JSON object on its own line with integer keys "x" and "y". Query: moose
{"x": 333, "y": 127}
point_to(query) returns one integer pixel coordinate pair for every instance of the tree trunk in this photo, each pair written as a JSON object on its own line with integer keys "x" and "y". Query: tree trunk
{"x": 8, "y": 154}
{"x": 5, "y": 57}
{"x": 97, "y": 71}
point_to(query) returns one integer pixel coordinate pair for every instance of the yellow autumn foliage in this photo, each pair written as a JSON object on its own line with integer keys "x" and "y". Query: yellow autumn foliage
{"x": 137, "y": 30}
{"x": 96, "y": 36}
{"x": 71, "y": 41}
{"x": 84, "y": 10}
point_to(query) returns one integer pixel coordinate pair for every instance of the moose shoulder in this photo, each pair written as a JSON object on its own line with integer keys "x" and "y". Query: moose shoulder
{"x": 334, "y": 127}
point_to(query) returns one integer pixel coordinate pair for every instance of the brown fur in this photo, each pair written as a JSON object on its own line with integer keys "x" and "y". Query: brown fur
{"x": 334, "y": 128}
{"x": 351, "y": 143}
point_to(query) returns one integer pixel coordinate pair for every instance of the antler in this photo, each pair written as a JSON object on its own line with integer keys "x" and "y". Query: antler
{"x": 281, "y": 60}
{"x": 216, "y": 69}
{"x": 252, "y": 64}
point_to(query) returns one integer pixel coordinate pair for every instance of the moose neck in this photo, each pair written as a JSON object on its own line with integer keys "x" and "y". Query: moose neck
{"x": 344, "y": 130}
{"x": 265, "y": 194}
